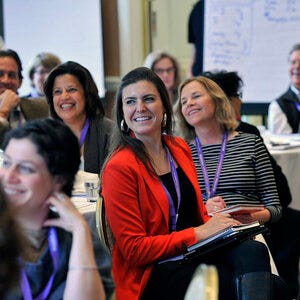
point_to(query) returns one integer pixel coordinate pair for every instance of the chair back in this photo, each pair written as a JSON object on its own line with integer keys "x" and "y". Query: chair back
{"x": 102, "y": 225}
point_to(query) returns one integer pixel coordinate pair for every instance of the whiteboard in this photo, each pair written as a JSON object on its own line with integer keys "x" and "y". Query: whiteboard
{"x": 254, "y": 38}
{"x": 71, "y": 29}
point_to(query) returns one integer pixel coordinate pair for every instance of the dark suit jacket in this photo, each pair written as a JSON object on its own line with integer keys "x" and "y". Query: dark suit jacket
{"x": 31, "y": 109}
{"x": 287, "y": 103}
{"x": 96, "y": 144}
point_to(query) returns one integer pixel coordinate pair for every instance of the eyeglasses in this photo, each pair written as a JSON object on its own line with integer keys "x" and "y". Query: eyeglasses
{"x": 42, "y": 72}
{"x": 160, "y": 71}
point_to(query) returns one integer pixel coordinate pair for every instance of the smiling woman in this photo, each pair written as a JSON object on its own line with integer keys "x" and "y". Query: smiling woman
{"x": 39, "y": 166}
{"x": 73, "y": 98}
{"x": 156, "y": 209}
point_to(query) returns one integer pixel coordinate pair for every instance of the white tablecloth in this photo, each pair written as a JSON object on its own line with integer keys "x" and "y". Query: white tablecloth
{"x": 82, "y": 204}
{"x": 79, "y": 193}
{"x": 289, "y": 160}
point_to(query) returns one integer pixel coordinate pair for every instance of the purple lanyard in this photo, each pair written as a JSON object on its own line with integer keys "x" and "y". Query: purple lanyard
{"x": 84, "y": 131}
{"x": 298, "y": 106}
{"x": 211, "y": 191}
{"x": 54, "y": 251}
{"x": 173, "y": 214}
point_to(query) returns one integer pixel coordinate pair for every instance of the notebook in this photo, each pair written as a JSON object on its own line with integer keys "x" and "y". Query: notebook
{"x": 240, "y": 209}
{"x": 225, "y": 237}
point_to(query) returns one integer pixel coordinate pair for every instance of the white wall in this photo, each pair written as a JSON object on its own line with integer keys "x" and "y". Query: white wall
{"x": 172, "y": 29}
{"x": 71, "y": 29}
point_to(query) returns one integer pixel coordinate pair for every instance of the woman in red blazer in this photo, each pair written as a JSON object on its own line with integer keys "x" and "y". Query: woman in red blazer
{"x": 153, "y": 201}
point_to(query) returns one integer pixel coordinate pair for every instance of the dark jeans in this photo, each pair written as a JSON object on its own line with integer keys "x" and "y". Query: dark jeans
{"x": 284, "y": 243}
{"x": 170, "y": 280}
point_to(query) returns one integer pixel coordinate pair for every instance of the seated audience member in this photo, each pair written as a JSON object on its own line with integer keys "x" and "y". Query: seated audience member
{"x": 166, "y": 67}
{"x": 232, "y": 167}
{"x": 59, "y": 258}
{"x": 231, "y": 83}
{"x": 244, "y": 172}
{"x": 39, "y": 68}
{"x": 284, "y": 112}
{"x": 10, "y": 248}
{"x": 156, "y": 210}
{"x": 15, "y": 110}
{"x": 73, "y": 98}
{"x": 285, "y": 246}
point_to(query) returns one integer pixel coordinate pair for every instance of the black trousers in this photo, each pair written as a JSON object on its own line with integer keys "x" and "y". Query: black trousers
{"x": 284, "y": 243}
{"x": 170, "y": 280}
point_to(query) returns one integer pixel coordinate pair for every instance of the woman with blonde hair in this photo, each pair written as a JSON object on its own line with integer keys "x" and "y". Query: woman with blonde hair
{"x": 236, "y": 164}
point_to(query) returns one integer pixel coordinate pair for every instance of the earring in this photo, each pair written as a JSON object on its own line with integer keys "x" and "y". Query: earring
{"x": 164, "y": 121}
{"x": 124, "y": 126}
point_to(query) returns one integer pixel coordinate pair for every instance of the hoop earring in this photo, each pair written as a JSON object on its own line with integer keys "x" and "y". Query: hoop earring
{"x": 124, "y": 126}
{"x": 164, "y": 121}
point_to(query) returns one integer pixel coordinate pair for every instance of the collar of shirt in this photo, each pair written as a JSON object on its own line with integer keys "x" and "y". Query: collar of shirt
{"x": 296, "y": 91}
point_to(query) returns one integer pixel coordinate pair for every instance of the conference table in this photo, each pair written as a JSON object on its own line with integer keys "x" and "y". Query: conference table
{"x": 286, "y": 151}
{"x": 79, "y": 197}
{"x": 81, "y": 203}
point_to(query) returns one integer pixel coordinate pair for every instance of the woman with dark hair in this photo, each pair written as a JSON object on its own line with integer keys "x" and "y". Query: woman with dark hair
{"x": 59, "y": 259}
{"x": 156, "y": 210}
{"x": 73, "y": 97}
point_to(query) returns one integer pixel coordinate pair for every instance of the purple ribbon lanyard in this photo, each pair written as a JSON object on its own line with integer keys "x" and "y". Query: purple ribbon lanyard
{"x": 84, "y": 131}
{"x": 54, "y": 251}
{"x": 211, "y": 191}
{"x": 173, "y": 214}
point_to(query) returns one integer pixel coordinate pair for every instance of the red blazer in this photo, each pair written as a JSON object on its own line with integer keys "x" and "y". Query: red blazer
{"x": 138, "y": 212}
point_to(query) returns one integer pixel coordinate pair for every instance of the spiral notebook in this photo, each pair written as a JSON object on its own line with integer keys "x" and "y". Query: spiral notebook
{"x": 225, "y": 237}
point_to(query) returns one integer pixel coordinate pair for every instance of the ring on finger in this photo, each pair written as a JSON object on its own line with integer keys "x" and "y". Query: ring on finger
{"x": 60, "y": 196}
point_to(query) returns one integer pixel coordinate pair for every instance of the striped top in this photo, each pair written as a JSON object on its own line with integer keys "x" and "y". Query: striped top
{"x": 246, "y": 176}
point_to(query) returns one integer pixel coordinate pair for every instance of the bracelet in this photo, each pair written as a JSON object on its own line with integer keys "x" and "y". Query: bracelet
{"x": 82, "y": 268}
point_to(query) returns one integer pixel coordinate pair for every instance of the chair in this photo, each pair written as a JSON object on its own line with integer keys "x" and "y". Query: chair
{"x": 102, "y": 225}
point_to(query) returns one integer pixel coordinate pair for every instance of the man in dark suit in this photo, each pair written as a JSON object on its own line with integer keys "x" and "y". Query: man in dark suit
{"x": 284, "y": 112}
{"x": 15, "y": 110}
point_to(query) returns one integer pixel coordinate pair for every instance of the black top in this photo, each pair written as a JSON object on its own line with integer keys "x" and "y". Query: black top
{"x": 187, "y": 216}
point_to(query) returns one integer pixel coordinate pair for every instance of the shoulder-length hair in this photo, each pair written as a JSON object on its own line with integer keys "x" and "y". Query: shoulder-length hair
{"x": 224, "y": 113}
{"x": 93, "y": 104}
{"x": 121, "y": 138}
{"x": 155, "y": 56}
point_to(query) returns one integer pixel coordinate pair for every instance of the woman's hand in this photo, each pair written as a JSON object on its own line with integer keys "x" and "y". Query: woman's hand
{"x": 216, "y": 223}
{"x": 69, "y": 218}
{"x": 215, "y": 203}
{"x": 262, "y": 217}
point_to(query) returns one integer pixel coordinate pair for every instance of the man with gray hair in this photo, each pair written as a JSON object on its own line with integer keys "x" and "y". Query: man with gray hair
{"x": 284, "y": 112}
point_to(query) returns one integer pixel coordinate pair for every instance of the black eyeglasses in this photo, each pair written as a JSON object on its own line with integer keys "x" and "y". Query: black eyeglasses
{"x": 161, "y": 71}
